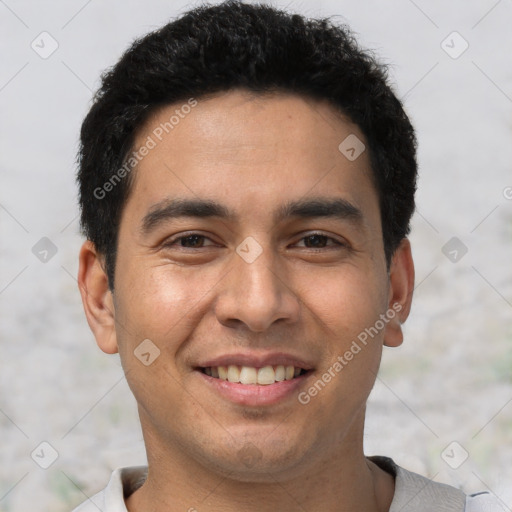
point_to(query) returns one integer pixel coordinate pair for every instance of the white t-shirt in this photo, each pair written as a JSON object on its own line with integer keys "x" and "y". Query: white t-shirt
{"x": 413, "y": 492}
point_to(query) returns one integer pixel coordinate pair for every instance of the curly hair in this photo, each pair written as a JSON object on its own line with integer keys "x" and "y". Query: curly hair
{"x": 212, "y": 49}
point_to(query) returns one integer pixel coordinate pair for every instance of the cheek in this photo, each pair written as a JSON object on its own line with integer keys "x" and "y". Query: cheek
{"x": 348, "y": 305}
{"x": 346, "y": 301}
{"x": 162, "y": 302}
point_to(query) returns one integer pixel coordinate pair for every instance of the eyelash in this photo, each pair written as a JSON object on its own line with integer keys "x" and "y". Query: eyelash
{"x": 171, "y": 243}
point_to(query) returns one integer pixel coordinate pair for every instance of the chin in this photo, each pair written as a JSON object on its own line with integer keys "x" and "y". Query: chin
{"x": 265, "y": 463}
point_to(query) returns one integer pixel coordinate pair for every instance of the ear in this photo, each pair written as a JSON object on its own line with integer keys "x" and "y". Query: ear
{"x": 97, "y": 298}
{"x": 401, "y": 278}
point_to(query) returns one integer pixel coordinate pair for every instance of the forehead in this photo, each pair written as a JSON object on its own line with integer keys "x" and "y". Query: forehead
{"x": 239, "y": 146}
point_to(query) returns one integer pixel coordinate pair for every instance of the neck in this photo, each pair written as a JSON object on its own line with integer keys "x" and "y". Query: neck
{"x": 343, "y": 480}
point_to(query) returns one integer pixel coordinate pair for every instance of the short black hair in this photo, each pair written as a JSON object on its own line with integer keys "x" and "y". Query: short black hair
{"x": 232, "y": 45}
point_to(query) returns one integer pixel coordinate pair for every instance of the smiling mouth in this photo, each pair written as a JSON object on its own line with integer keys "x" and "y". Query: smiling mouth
{"x": 254, "y": 376}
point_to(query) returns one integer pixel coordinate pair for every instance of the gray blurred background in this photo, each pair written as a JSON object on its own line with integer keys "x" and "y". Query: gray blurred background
{"x": 442, "y": 405}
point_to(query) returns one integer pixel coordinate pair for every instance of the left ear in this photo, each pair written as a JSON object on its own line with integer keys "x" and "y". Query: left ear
{"x": 401, "y": 277}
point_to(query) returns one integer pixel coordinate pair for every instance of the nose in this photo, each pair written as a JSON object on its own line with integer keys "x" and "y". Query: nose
{"x": 256, "y": 294}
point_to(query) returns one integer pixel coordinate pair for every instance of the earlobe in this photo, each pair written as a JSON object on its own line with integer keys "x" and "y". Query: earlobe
{"x": 401, "y": 276}
{"x": 97, "y": 298}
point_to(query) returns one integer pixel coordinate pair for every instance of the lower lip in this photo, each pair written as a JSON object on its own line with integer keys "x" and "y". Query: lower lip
{"x": 256, "y": 395}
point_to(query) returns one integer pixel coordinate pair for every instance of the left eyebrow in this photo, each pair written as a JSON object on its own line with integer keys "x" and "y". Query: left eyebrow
{"x": 337, "y": 208}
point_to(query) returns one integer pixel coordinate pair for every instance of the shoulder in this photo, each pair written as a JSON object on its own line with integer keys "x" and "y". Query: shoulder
{"x": 483, "y": 502}
{"x": 123, "y": 482}
{"x": 416, "y": 493}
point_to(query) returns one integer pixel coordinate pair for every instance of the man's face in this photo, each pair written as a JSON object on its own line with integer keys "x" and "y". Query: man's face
{"x": 287, "y": 269}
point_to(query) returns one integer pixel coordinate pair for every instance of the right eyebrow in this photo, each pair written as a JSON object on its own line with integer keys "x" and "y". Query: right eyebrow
{"x": 173, "y": 208}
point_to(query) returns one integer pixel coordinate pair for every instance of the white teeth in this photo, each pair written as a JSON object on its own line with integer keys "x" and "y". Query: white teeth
{"x": 280, "y": 373}
{"x": 233, "y": 373}
{"x": 223, "y": 372}
{"x": 249, "y": 375}
{"x": 266, "y": 375}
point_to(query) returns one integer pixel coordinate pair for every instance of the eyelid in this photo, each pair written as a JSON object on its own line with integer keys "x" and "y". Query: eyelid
{"x": 341, "y": 243}
{"x": 172, "y": 241}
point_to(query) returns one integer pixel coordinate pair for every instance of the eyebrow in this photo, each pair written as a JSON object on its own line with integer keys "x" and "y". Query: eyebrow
{"x": 175, "y": 208}
{"x": 336, "y": 208}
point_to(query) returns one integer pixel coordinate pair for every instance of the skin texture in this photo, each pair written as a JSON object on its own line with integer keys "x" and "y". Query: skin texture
{"x": 251, "y": 153}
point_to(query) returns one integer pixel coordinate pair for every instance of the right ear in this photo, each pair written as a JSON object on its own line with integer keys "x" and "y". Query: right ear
{"x": 97, "y": 298}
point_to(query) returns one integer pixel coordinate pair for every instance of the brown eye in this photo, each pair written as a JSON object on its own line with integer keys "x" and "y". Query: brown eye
{"x": 192, "y": 241}
{"x": 316, "y": 241}
{"x": 319, "y": 241}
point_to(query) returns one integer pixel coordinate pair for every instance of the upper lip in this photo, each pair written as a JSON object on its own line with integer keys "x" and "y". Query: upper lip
{"x": 257, "y": 360}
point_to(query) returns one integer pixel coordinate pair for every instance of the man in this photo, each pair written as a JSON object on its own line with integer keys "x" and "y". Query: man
{"x": 247, "y": 179}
